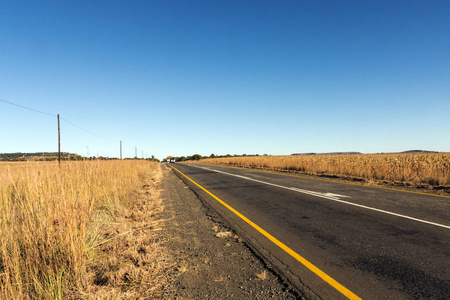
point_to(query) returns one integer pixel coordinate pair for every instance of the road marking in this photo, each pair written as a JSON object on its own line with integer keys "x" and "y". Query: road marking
{"x": 339, "y": 287}
{"x": 330, "y": 196}
{"x": 337, "y": 195}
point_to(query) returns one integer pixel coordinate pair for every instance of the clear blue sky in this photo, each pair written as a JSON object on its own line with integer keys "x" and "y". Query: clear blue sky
{"x": 185, "y": 77}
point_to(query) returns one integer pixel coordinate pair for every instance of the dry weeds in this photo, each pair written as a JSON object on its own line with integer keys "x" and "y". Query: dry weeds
{"x": 79, "y": 231}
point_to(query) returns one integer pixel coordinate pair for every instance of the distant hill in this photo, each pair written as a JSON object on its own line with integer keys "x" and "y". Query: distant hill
{"x": 38, "y": 156}
{"x": 419, "y": 151}
{"x": 329, "y": 153}
{"x": 408, "y": 151}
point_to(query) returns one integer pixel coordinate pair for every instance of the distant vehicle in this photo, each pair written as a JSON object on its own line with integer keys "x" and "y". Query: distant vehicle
{"x": 172, "y": 160}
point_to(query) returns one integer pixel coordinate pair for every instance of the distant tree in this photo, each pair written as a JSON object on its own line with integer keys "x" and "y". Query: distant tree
{"x": 196, "y": 157}
{"x": 212, "y": 156}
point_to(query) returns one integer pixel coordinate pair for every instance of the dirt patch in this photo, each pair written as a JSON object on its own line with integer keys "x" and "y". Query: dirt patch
{"x": 209, "y": 260}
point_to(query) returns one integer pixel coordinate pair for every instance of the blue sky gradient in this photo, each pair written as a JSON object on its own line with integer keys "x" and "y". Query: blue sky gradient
{"x": 184, "y": 77}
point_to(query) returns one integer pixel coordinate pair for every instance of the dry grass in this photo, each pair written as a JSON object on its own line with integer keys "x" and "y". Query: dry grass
{"x": 263, "y": 275}
{"x": 418, "y": 169}
{"x": 79, "y": 231}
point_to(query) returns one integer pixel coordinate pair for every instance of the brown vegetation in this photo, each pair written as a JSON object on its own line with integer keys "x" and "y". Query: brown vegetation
{"x": 416, "y": 169}
{"x": 79, "y": 231}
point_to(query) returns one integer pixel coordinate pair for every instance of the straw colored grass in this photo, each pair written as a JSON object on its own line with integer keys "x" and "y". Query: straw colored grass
{"x": 417, "y": 169}
{"x": 85, "y": 230}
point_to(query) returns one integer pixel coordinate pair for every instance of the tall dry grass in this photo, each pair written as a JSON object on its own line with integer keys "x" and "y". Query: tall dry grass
{"x": 416, "y": 169}
{"x": 51, "y": 220}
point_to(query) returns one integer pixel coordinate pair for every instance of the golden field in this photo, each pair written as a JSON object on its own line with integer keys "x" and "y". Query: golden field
{"x": 409, "y": 169}
{"x": 69, "y": 232}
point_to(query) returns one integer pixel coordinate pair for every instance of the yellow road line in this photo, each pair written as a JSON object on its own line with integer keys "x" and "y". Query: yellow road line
{"x": 339, "y": 287}
{"x": 328, "y": 180}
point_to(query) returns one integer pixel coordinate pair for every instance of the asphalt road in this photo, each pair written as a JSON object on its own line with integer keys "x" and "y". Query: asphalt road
{"x": 357, "y": 241}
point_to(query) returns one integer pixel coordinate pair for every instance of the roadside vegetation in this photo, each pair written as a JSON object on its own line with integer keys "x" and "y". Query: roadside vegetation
{"x": 198, "y": 157}
{"x": 38, "y": 156}
{"x": 52, "y": 156}
{"x": 426, "y": 170}
{"x": 82, "y": 231}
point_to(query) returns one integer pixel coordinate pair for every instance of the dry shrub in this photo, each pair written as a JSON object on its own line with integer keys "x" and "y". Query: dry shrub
{"x": 52, "y": 219}
{"x": 416, "y": 169}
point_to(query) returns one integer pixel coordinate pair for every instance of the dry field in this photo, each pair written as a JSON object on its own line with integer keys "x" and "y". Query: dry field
{"x": 429, "y": 170}
{"x": 82, "y": 231}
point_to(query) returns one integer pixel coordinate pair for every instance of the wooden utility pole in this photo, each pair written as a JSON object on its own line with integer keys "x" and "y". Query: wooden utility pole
{"x": 59, "y": 143}
{"x": 120, "y": 150}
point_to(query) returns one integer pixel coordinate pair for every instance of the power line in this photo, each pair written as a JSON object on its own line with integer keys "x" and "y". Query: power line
{"x": 52, "y": 115}
{"x": 32, "y": 109}
{"x": 75, "y": 125}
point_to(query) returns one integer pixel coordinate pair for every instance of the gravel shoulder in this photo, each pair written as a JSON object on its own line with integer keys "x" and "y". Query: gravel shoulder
{"x": 209, "y": 260}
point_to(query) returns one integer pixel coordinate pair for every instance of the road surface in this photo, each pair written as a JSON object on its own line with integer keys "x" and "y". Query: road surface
{"x": 334, "y": 240}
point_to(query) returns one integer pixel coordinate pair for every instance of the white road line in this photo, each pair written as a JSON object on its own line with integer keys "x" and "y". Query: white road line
{"x": 329, "y": 196}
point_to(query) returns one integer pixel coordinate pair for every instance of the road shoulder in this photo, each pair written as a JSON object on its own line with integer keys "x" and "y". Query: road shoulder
{"x": 209, "y": 260}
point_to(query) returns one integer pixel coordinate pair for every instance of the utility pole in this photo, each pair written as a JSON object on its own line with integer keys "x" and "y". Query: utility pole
{"x": 135, "y": 152}
{"x": 59, "y": 143}
{"x": 120, "y": 150}
{"x": 142, "y": 154}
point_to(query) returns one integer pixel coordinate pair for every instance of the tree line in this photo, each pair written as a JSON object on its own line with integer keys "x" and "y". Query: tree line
{"x": 52, "y": 156}
{"x": 199, "y": 157}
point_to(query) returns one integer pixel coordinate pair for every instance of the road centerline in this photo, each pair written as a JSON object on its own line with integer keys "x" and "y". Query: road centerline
{"x": 329, "y": 196}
